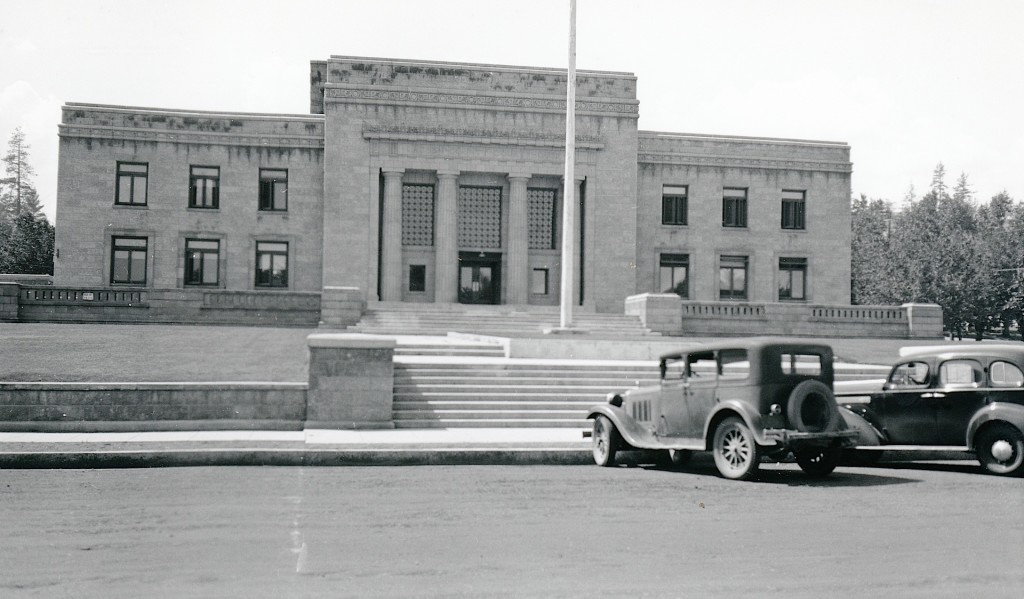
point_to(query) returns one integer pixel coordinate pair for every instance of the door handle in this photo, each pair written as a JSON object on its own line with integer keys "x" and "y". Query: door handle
{"x": 932, "y": 395}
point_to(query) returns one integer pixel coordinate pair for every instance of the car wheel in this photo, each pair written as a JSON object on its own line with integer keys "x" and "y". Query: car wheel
{"x": 606, "y": 441}
{"x": 737, "y": 455}
{"x": 818, "y": 461}
{"x": 1000, "y": 449}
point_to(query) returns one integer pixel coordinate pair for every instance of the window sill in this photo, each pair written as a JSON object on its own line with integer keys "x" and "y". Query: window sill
{"x": 132, "y": 206}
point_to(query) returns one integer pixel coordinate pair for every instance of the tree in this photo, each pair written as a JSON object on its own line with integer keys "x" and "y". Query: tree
{"x": 872, "y": 283}
{"x": 17, "y": 194}
{"x": 26, "y": 237}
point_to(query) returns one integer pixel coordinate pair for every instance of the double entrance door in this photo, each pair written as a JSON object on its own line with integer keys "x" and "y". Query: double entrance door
{"x": 479, "y": 278}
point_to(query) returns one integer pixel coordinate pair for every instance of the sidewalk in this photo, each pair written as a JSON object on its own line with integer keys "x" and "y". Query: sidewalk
{"x": 311, "y": 447}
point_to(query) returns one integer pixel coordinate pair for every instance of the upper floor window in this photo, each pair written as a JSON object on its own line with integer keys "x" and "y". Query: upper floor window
{"x": 273, "y": 189}
{"x": 128, "y": 258}
{"x": 674, "y": 272}
{"x": 204, "y": 187}
{"x": 734, "y": 207}
{"x": 202, "y": 262}
{"x": 792, "y": 279}
{"x": 132, "y": 183}
{"x": 674, "y": 204}
{"x": 271, "y": 264}
{"x": 793, "y": 204}
{"x": 732, "y": 278}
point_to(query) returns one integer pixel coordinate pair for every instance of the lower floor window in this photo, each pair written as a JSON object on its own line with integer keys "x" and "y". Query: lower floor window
{"x": 792, "y": 278}
{"x": 202, "y": 262}
{"x": 539, "y": 281}
{"x": 128, "y": 260}
{"x": 271, "y": 264}
{"x": 732, "y": 278}
{"x": 674, "y": 274}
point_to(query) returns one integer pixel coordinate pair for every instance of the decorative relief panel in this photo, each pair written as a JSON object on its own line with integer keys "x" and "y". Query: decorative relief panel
{"x": 479, "y": 217}
{"x": 631, "y": 108}
{"x": 418, "y": 215}
{"x": 540, "y": 218}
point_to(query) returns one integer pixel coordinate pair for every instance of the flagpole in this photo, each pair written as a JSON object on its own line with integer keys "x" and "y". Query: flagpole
{"x": 569, "y": 203}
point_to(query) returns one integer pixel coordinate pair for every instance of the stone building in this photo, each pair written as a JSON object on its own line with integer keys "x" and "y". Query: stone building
{"x": 419, "y": 181}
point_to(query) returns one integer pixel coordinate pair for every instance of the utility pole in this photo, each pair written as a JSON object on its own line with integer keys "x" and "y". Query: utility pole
{"x": 569, "y": 197}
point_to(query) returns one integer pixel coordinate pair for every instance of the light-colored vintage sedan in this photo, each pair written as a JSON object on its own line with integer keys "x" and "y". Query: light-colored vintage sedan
{"x": 742, "y": 400}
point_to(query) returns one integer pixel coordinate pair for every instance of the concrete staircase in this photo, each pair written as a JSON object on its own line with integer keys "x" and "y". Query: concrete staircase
{"x": 499, "y": 321}
{"x": 495, "y": 393}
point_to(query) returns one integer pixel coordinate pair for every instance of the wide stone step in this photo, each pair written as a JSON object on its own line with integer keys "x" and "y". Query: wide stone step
{"x": 593, "y": 397}
{"x": 491, "y": 415}
{"x": 488, "y": 406}
{"x": 434, "y": 384}
{"x": 577, "y": 423}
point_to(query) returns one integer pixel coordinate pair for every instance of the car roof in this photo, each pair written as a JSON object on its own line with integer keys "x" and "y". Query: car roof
{"x": 982, "y": 350}
{"x": 752, "y": 344}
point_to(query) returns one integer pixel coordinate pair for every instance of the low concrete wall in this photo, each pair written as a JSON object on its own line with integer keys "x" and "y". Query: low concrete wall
{"x": 26, "y": 279}
{"x": 671, "y": 315}
{"x": 341, "y": 306}
{"x": 351, "y": 381}
{"x": 87, "y": 407}
{"x": 142, "y": 305}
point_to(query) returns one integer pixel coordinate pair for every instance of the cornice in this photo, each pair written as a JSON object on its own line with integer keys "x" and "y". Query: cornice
{"x": 743, "y": 162}
{"x": 627, "y": 108}
{"x": 184, "y": 136}
{"x": 476, "y": 136}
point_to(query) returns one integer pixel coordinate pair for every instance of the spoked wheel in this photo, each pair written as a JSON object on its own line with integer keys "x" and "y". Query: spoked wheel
{"x": 737, "y": 455}
{"x": 1000, "y": 449}
{"x": 818, "y": 461}
{"x": 606, "y": 441}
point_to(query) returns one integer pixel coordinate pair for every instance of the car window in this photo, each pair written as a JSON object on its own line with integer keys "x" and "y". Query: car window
{"x": 673, "y": 369}
{"x": 701, "y": 366}
{"x": 733, "y": 364}
{"x": 1004, "y": 374}
{"x": 909, "y": 375}
{"x": 960, "y": 372}
{"x": 801, "y": 364}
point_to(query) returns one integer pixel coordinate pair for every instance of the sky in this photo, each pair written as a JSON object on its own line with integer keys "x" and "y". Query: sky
{"x": 906, "y": 83}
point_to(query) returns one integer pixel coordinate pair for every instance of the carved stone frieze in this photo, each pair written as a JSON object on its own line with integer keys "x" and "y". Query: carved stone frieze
{"x": 464, "y": 135}
{"x": 543, "y": 104}
{"x": 743, "y": 162}
{"x": 190, "y": 137}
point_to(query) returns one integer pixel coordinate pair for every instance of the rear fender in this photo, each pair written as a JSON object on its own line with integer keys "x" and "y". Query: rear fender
{"x": 859, "y": 419}
{"x": 995, "y": 412}
{"x": 732, "y": 407}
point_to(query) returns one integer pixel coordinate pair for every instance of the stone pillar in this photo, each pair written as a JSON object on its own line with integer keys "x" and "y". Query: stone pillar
{"x": 659, "y": 312}
{"x": 518, "y": 263}
{"x": 9, "y": 294}
{"x": 341, "y": 306}
{"x": 446, "y": 239}
{"x": 391, "y": 249}
{"x": 351, "y": 381}
{"x": 924, "y": 321}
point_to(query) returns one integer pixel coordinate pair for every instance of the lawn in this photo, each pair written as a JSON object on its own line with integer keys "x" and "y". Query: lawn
{"x": 132, "y": 353}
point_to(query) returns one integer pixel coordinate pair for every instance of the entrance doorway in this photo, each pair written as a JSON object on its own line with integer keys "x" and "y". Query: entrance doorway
{"x": 479, "y": 278}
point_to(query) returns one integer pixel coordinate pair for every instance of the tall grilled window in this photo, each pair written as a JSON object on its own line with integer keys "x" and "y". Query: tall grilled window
{"x": 202, "y": 262}
{"x": 273, "y": 189}
{"x": 732, "y": 277}
{"x": 540, "y": 218}
{"x": 734, "y": 207}
{"x": 792, "y": 279}
{"x": 793, "y": 209}
{"x": 132, "y": 183}
{"x": 128, "y": 260}
{"x": 674, "y": 204}
{"x": 271, "y": 264}
{"x": 674, "y": 271}
{"x": 418, "y": 215}
{"x": 204, "y": 187}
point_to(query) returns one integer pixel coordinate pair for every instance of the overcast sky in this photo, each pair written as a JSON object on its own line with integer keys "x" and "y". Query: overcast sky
{"x": 907, "y": 83}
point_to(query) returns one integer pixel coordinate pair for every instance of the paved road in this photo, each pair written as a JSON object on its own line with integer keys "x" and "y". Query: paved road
{"x": 516, "y": 531}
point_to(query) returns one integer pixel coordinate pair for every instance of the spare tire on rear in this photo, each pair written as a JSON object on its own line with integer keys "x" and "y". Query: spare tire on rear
{"x": 812, "y": 408}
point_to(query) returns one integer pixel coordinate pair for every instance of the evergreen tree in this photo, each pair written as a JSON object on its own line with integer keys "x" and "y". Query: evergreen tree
{"x": 17, "y": 194}
{"x": 26, "y": 237}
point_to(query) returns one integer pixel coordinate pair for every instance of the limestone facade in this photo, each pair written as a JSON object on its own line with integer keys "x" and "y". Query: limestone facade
{"x": 420, "y": 181}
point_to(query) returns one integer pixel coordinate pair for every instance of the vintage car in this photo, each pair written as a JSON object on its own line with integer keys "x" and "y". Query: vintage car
{"x": 967, "y": 398}
{"x": 742, "y": 400}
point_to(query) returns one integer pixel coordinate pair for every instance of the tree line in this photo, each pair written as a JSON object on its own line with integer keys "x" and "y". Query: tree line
{"x": 26, "y": 236}
{"x": 945, "y": 248}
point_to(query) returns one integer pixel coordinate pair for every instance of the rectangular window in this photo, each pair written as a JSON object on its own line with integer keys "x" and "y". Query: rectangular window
{"x": 271, "y": 264}
{"x": 128, "y": 260}
{"x": 541, "y": 219}
{"x": 793, "y": 204}
{"x": 674, "y": 204}
{"x": 734, "y": 207}
{"x": 792, "y": 279}
{"x": 202, "y": 262}
{"x": 675, "y": 274}
{"x": 204, "y": 187}
{"x": 732, "y": 278}
{"x": 132, "y": 183}
{"x": 418, "y": 215}
{"x": 273, "y": 189}
{"x": 809, "y": 364}
{"x": 539, "y": 281}
{"x": 417, "y": 278}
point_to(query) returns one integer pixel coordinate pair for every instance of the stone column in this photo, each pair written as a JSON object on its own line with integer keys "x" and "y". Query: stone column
{"x": 391, "y": 248}
{"x": 446, "y": 239}
{"x": 517, "y": 277}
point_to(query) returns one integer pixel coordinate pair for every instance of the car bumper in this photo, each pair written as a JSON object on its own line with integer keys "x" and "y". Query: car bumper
{"x": 787, "y": 437}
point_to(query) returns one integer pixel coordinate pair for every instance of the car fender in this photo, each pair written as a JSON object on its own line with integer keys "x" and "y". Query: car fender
{"x": 630, "y": 432}
{"x": 741, "y": 409}
{"x": 1003, "y": 412}
{"x": 860, "y": 420}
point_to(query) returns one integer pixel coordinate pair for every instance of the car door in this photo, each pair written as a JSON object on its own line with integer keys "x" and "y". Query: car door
{"x": 701, "y": 388}
{"x": 959, "y": 393}
{"x": 905, "y": 405}
{"x": 671, "y": 409}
